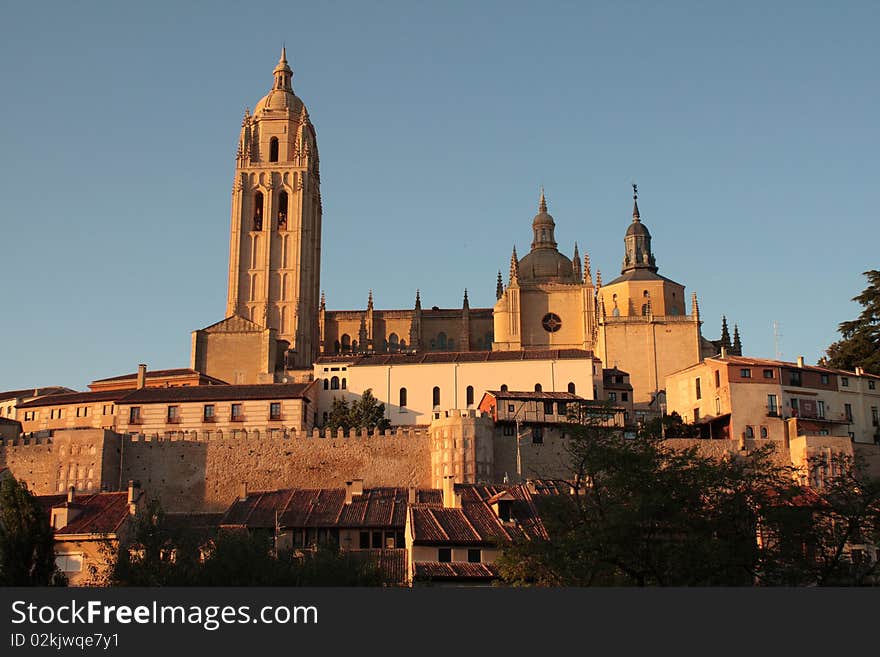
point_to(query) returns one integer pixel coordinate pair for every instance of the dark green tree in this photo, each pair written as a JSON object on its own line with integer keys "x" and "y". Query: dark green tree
{"x": 860, "y": 338}
{"x": 644, "y": 513}
{"x": 364, "y": 413}
{"x": 27, "y": 553}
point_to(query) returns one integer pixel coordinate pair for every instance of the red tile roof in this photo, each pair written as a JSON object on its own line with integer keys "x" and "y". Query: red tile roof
{"x": 158, "y": 374}
{"x": 99, "y": 513}
{"x": 458, "y": 570}
{"x": 6, "y": 420}
{"x": 538, "y": 396}
{"x": 29, "y": 392}
{"x": 746, "y": 360}
{"x": 475, "y": 523}
{"x": 217, "y": 393}
{"x": 323, "y": 507}
{"x": 76, "y": 398}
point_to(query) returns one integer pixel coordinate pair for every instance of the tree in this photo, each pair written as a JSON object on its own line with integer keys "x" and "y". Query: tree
{"x": 27, "y": 552}
{"x": 644, "y": 513}
{"x": 860, "y": 338}
{"x": 364, "y": 413}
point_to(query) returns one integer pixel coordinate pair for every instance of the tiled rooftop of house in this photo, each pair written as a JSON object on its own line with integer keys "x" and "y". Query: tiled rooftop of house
{"x": 217, "y": 393}
{"x": 458, "y": 357}
{"x": 99, "y": 513}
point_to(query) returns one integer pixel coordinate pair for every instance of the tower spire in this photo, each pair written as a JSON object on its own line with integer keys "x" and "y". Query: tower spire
{"x": 588, "y": 275}
{"x": 636, "y": 216}
{"x": 499, "y": 287}
{"x": 370, "y": 300}
{"x": 323, "y": 305}
{"x": 283, "y": 73}
{"x": 725, "y": 333}
{"x": 514, "y": 266}
{"x": 465, "y": 303}
{"x": 418, "y": 300}
{"x": 576, "y": 263}
{"x": 542, "y": 205}
{"x": 737, "y": 347}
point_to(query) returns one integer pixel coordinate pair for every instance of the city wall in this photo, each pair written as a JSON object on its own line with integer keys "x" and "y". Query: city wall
{"x": 192, "y": 473}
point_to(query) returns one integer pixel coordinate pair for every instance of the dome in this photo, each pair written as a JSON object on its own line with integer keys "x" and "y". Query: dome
{"x": 638, "y": 228}
{"x": 546, "y": 265}
{"x": 279, "y": 99}
{"x": 543, "y": 219}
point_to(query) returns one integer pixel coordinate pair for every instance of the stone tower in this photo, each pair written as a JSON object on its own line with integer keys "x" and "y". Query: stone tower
{"x": 275, "y": 242}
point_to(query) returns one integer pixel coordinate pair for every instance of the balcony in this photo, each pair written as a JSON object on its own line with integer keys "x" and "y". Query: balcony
{"x": 173, "y": 420}
{"x": 209, "y": 419}
{"x": 237, "y": 418}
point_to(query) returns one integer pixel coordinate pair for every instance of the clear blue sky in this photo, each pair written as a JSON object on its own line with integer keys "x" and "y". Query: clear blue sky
{"x": 750, "y": 127}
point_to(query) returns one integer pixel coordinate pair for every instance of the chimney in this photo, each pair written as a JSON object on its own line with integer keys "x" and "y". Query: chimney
{"x": 242, "y": 491}
{"x": 451, "y": 499}
{"x": 70, "y": 494}
{"x": 800, "y": 361}
{"x": 723, "y": 353}
{"x": 353, "y": 488}
{"x": 134, "y": 495}
{"x": 411, "y": 495}
{"x": 142, "y": 376}
{"x": 859, "y": 371}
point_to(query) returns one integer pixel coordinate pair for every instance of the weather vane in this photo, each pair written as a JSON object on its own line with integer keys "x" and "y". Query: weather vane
{"x": 635, "y": 192}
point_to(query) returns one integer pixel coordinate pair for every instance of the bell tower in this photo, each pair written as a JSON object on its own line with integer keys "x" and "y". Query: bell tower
{"x": 275, "y": 241}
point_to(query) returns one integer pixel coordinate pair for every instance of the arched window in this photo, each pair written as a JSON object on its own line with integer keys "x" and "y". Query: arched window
{"x": 343, "y": 383}
{"x": 393, "y": 342}
{"x": 441, "y": 341}
{"x": 282, "y": 209}
{"x": 334, "y": 383}
{"x": 503, "y": 387}
{"x": 273, "y": 149}
{"x": 258, "y": 211}
{"x": 436, "y": 396}
{"x": 326, "y": 384}
{"x": 571, "y": 388}
{"x": 469, "y": 393}
{"x": 402, "y": 400}
{"x": 346, "y": 343}
{"x": 538, "y": 387}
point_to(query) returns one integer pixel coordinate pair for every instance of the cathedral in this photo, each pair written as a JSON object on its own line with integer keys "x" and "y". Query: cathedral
{"x": 278, "y": 326}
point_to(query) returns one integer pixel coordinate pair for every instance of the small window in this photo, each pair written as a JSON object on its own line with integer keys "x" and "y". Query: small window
{"x": 537, "y": 435}
{"x": 772, "y": 408}
{"x": 794, "y": 377}
{"x": 717, "y": 406}
{"x": 444, "y": 555}
{"x": 326, "y": 384}
{"x": 844, "y": 382}
{"x": 750, "y": 431}
{"x": 697, "y": 388}
{"x": 364, "y": 541}
{"x": 538, "y": 387}
{"x": 173, "y": 413}
{"x": 624, "y": 396}
{"x": 768, "y": 374}
{"x": 764, "y": 432}
{"x": 511, "y": 408}
{"x": 871, "y": 385}
{"x": 561, "y": 408}
{"x": 435, "y": 396}
{"x": 273, "y": 149}
{"x": 469, "y": 394}
{"x": 824, "y": 379}
{"x": 696, "y": 415}
{"x": 847, "y": 410}
{"x": 134, "y": 415}
{"x": 503, "y": 387}
{"x": 69, "y": 563}
{"x": 402, "y": 398}
{"x": 334, "y": 383}
{"x": 717, "y": 378}
{"x": 572, "y": 389}
{"x": 745, "y": 373}
{"x": 612, "y": 396}
{"x": 236, "y": 412}
{"x": 820, "y": 409}
{"x": 275, "y": 411}
{"x": 475, "y": 555}
{"x": 208, "y": 413}
{"x": 548, "y": 408}
{"x": 509, "y": 429}
{"x": 343, "y": 383}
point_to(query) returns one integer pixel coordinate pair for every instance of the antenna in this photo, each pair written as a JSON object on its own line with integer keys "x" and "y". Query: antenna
{"x": 776, "y": 336}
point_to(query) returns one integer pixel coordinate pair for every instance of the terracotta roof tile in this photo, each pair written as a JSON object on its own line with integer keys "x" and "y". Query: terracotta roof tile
{"x": 437, "y": 570}
{"x": 158, "y": 374}
{"x": 99, "y": 513}
{"x": 29, "y": 392}
{"x": 217, "y": 393}
{"x": 76, "y": 398}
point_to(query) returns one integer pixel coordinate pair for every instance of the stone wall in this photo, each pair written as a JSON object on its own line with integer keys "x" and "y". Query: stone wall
{"x": 86, "y": 458}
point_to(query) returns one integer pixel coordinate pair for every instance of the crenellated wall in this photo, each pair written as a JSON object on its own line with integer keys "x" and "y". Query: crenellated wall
{"x": 191, "y": 472}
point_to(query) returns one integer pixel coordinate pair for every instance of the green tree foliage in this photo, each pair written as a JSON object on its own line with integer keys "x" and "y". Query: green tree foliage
{"x": 364, "y": 413}
{"x": 645, "y": 513}
{"x": 27, "y": 553}
{"x": 860, "y": 338}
